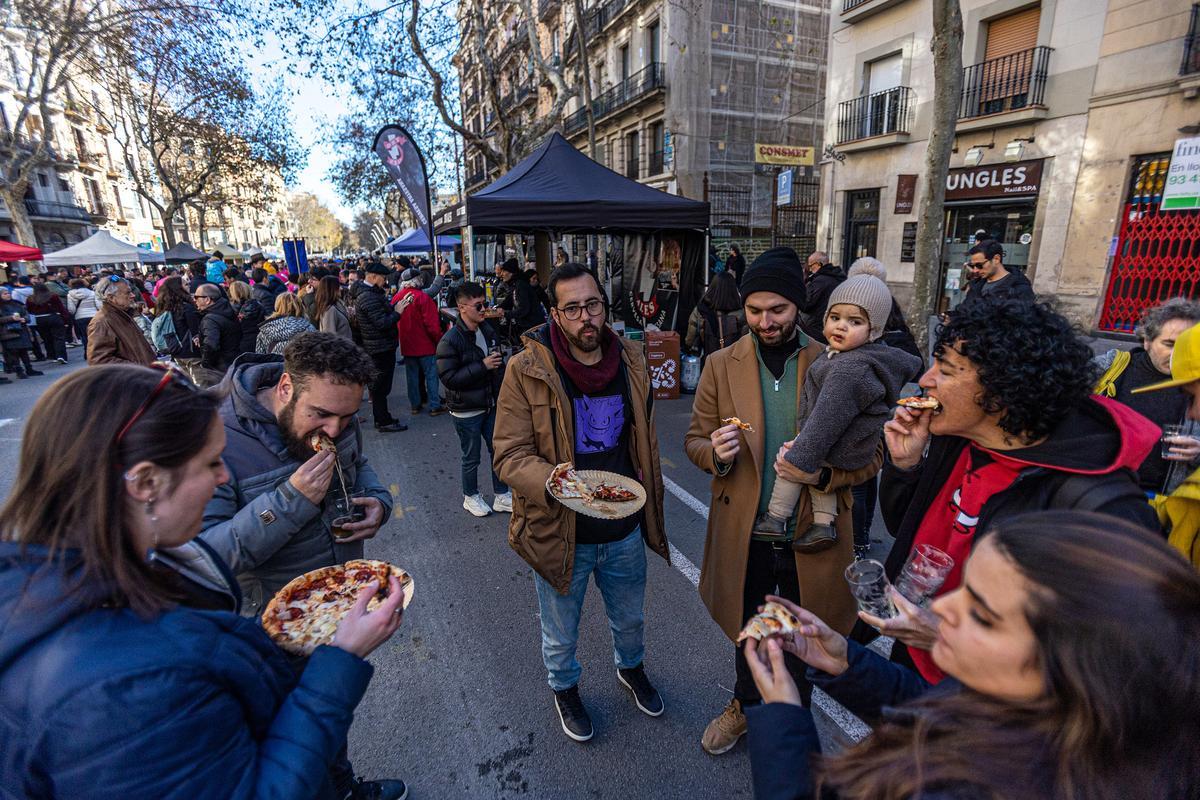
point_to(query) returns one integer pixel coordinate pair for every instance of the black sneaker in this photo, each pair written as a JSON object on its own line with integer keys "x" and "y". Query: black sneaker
{"x": 36, "y": 371}
{"x": 574, "y": 717}
{"x": 377, "y": 790}
{"x": 646, "y": 696}
{"x": 391, "y": 427}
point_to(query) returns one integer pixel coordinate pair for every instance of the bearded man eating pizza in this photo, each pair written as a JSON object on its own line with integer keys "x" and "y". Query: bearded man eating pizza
{"x": 270, "y": 522}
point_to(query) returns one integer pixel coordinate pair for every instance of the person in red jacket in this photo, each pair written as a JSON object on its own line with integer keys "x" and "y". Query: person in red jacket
{"x": 420, "y": 331}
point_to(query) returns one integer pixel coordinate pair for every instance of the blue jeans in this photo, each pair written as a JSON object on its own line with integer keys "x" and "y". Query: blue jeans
{"x": 471, "y": 431}
{"x": 620, "y": 569}
{"x": 416, "y": 367}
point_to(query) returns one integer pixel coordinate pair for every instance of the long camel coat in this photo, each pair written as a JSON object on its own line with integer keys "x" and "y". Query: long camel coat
{"x": 730, "y": 387}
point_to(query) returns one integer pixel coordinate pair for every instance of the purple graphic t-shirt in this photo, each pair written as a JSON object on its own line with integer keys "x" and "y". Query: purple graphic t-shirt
{"x": 601, "y": 422}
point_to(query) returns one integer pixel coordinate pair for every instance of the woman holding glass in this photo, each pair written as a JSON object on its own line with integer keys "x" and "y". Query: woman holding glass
{"x": 125, "y": 670}
{"x": 1072, "y": 650}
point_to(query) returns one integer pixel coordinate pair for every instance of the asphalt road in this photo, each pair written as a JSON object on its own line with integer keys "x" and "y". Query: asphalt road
{"x": 459, "y": 705}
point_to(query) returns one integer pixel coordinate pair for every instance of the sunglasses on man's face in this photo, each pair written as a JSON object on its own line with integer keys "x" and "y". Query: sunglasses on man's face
{"x": 477, "y": 306}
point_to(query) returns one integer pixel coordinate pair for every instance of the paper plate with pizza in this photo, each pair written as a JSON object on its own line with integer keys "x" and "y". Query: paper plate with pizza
{"x": 306, "y": 612}
{"x": 595, "y": 492}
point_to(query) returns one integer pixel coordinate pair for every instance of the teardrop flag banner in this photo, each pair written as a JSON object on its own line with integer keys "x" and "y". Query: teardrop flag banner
{"x": 405, "y": 164}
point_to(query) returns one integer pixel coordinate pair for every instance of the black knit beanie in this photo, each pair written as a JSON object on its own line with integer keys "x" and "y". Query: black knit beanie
{"x": 777, "y": 270}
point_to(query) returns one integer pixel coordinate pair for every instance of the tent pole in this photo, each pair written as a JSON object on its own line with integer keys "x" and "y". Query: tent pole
{"x": 469, "y": 251}
{"x": 707, "y": 248}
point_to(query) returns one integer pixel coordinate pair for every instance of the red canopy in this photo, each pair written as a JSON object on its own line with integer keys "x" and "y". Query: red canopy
{"x": 16, "y": 252}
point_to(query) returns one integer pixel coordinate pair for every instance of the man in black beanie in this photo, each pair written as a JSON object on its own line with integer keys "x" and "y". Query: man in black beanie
{"x": 759, "y": 380}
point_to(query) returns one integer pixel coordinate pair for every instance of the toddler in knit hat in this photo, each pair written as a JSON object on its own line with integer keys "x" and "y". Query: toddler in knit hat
{"x": 848, "y": 395}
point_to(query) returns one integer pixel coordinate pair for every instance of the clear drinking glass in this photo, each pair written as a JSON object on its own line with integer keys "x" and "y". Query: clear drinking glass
{"x": 1169, "y": 432}
{"x": 923, "y": 574}
{"x": 869, "y": 585}
{"x": 343, "y": 511}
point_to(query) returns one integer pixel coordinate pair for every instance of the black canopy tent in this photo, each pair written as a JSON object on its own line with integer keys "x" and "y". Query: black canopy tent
{"x": 182, "y": 253}
{"x": 558, "y": 190}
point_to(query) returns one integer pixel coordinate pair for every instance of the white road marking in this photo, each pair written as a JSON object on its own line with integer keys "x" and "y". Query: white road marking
{"x": 7, "y": 421}
{"x": 853, "y": 727}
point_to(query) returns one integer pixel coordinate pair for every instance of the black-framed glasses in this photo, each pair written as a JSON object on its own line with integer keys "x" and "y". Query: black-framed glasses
{"x": 594, "y": 308}
{"x": 170, "y": 371}
{"x": 477, "y": 306}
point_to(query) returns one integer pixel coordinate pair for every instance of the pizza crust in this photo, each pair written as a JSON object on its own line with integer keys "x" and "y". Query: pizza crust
{"x": 773, "y": 620}
{"x": 920, "y": 402}
{"x": 745, "y": 426}
{"x": 319, "y": 442}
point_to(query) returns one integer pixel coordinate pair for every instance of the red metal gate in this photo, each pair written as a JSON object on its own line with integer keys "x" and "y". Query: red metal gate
{"x": 1158, "y": 252}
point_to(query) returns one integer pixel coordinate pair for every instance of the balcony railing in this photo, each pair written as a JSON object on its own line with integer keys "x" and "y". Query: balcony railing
{"x": 889, "y": 111}
{"x": 596, "y": 21}
{"x": 641, "y": 83}
{"x": 850, "y": 5}
{"x": 47, "y": 209}
{"x": 1008, "y": 83}
{"x": 475, "y": 178}
{"x": 1191, "y": 44}
{"x": 547, "y": 7}
{"x": 631, "y": 168}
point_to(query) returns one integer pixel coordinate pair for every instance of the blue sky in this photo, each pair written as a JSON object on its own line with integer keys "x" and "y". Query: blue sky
{"x": 315, "y": 105}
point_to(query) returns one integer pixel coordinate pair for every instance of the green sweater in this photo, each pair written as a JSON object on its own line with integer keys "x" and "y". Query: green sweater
{"x": 779, "y": 422}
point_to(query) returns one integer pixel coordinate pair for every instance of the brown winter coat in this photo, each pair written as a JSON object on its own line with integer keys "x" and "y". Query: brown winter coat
{"x": 535, "y": 431}
{"x": 114, "y": 338}
{"x": 729, "y": 387}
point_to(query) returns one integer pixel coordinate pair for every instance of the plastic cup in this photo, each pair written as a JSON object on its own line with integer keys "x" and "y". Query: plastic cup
{"x": 1169, "y": 432}
{"x": 923, "y": 574}
{"x": 869, "y": 585}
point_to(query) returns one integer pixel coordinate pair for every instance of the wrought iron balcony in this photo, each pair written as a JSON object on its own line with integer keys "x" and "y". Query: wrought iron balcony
{"x": 474, "y": 179}
{"x": 889, "y": 111}
{"x": 547, "y": 7}
{"x": 642, "y": 83}
{"x": 850, "y": 5}
{"x": 46, "y": 209}
{"x": 631, "y": 168}
{"x": 1191, "y": 44}
{"x": 1008, "y": 83}
{"x": 596, "y": 21}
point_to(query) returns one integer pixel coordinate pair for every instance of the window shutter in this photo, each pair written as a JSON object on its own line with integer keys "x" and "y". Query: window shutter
{"x": 1013, "y": 33}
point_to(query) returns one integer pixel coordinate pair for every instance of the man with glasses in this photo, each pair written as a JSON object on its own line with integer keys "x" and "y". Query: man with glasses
{"x": 471, "y": 369}
{"x": 112, "y": 336}
{"x": 579, "y": 393}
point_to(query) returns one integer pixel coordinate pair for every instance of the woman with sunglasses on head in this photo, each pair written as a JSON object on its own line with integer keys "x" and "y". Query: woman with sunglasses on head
{"x": 113, "y": 337}
{"x": 1072, "y": 648}
{"x": 125, "y": 670}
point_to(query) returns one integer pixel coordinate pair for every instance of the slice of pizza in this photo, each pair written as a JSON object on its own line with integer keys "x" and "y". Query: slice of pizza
{"x": 745, "y": 426}
{"x": 319, "y": 442}
{"x": 772, "y": 620}
{"x": 613, "y": 493}
{"x": 920, "y": 402}
{"x": 566, "y": 483}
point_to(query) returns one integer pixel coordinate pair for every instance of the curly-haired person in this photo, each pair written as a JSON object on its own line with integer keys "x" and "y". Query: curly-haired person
{"x": 1017, "y": 430}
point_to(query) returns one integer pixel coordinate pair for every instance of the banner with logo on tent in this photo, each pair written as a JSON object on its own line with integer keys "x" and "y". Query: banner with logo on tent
{"x": 406, "y": 166}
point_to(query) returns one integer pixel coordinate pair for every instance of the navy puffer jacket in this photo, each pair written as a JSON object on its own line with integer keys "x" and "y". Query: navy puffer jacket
{"x": 98, "y": 702}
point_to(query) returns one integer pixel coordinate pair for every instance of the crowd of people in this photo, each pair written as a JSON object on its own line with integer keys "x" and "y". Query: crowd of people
{"x": 1060, "y": 657}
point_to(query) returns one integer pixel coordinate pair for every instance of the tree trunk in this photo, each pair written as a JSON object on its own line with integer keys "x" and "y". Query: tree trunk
{"x": 586, "y": 71}
{"x": 946, "y": 46}
{"x": 14, "y": 198}
{"x": 168, "y": 230}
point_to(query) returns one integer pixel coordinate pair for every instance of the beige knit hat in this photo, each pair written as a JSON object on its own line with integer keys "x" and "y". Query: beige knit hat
{"x": 868, "y": 293}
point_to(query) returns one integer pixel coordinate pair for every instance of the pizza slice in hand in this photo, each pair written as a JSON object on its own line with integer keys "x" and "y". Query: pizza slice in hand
{"x": 774, "y": 619}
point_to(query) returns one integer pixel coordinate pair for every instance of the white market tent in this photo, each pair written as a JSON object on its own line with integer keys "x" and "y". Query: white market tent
{"x": 229, "y": 253}
{"x": 101, "y": 248}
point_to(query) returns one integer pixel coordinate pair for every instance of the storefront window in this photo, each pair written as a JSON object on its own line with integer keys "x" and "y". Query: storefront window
{"x": 1011, "y": 224}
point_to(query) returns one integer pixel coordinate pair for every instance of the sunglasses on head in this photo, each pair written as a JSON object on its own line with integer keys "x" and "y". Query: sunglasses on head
{"x": 170, "y": 372}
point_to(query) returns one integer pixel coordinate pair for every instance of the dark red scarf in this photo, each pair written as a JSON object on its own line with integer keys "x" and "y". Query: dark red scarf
{"x": 588, "y": 378}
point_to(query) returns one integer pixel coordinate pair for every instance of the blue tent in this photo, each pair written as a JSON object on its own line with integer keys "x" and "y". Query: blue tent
{"x": 417, "y": 241}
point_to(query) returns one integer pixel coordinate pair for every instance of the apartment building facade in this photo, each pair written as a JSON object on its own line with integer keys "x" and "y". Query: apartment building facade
{"x": 681, "y": 91}
{"x": 1067, "y": 111}
{"x": 87, "y": 186}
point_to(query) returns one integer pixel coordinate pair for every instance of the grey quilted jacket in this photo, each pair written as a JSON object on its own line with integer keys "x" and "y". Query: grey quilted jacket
{"x": 265, "y": 530}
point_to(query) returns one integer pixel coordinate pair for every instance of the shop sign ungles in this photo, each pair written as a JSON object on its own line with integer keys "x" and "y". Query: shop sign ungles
{"x": 1019, "y": 179}
{"x": 785, "y": 154}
